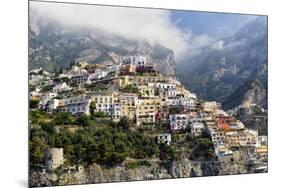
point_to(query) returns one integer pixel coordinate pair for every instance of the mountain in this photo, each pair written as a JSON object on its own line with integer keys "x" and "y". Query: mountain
{"x": 251, "y": 92}
{"x": 53, "y": 45}
{"x": 222, "y": 73}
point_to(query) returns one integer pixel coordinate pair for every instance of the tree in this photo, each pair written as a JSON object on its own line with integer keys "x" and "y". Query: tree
{"x": 92, "y": 107}
{"x": 72, "y": 63}
{"x": 60, "y": 70}
{"x": 203, "y": 150}
{"x": 48, "y": 127}
{"x": 83, "y": 120}
{"x": 37, "y": 147}
{"x": 34, "y": 103}
{"x": 124, "y": 123}
{"x": 62, "y": 118}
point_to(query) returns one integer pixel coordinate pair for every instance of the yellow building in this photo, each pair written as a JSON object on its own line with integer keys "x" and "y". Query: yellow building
{"x": 262, "y": 151}
{"x": 128, "y": 103}
{"x": 146, "y": 91}
{"x": 241, "y": 138}
{"x": 124, "y": 80}
{"x": 109, "y": 103}
{"x": 144, "y": 80}
{"x": 147, "y": 109}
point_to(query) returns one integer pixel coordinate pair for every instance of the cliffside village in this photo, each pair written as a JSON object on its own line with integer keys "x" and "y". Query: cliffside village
{"x": 133, "y": 88}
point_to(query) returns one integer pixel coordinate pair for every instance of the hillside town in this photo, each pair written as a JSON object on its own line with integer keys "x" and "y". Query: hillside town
{"x": 132, "y": 88}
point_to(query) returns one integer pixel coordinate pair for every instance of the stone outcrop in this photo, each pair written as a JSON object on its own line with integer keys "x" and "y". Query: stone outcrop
{"x": 171, "y": 169}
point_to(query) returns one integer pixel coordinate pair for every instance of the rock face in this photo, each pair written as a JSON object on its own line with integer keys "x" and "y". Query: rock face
{"x": 53, "y": 45}
{"x": 173, "y": 169}
{"x": 216, "y": 74}
{"x": 251, "y": 92}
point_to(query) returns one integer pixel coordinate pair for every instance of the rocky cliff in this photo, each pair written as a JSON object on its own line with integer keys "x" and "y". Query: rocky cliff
{"x": 53, "y": 45}
{"x": 173, "y": 169}
{"x": 220, "y": 74}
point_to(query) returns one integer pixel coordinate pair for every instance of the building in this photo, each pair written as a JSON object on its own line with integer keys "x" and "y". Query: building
{"x": 197, "y": 128}
{"x": 145, "y": 69}
{"x": 146, "y": 110}
{"x": 236, "y": 125}
{"x": 108, "y": 103}
{"x": 128, "y": 69}
{"x": 180, "y": 101}
{"x": 166, "y": 89}
{"x": 79, "y": 79}
{"x": 262, "y": 152}
{"x": 217, "y": 135}
{"x": 61, "y": 87}
{"x": 35, "y": 79}
{"x": 164, "y": 138}
{"x": 51, "y": 105}
{"x": 145, "y": 80}
{"x": 78, "y": 104}
{"x": 224, "y": 121}
{"x": 178, "y": 122}
{"x": 116, "y": 112}
{"x": 222, "y": 151}
{"x": 146, "y": 91}
{"x": 136, "y": 60}
{"x": 113, "y": 69}
{"x": 242, "y": 138}
{"x": 128, "y": 103}
{"x": 98, "y": 74}
{"x": 262, "y": 141}
{"x": 53, "y": 158}
{"x": 83, "y": 64}
{"x": 210, "y": 106}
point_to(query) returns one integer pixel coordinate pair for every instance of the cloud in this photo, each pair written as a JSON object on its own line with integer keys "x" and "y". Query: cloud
{"x": 152, "y": 25}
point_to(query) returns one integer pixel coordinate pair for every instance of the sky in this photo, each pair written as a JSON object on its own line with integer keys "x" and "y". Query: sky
{"x": 215, "y": 25}
{"x": 185, "y": 32}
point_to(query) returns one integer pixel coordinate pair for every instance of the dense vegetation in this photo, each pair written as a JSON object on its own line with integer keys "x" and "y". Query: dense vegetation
{"x": 106, "y": 145}
{"x": 102, "y": 141}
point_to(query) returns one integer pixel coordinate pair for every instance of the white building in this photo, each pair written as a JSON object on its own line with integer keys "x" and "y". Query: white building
{"x": 165, "y": 86}
{"x": 78, "y": 104}
{"x": 35, "y": 79}
{"x": 107, "y": 104}
{"x": 178, "y": 121}
{"x": 180, "y": 101}
{"x": 217, "y": 135}
{"x": 99, "y": 74}
{"x": 210, "y": 106}
{"x": 164, "y": 138}
{"x": 79, "y": 78}
{"x": 262, "y": 141}
{"x": 134, "y": 60}
{"x": 113, "y": 69}
{"x": 222, "y": 151}
{"x": 61, "y": 87}
{"x": 52, "y": 104}
{"x": 53, "y": 158}
{"x": 236, "y": 125}
{"x": 166, "y": 89}
{"x": 44, "y": 101}
{"x": 197, "y": 128}
{"x": 116, "y": 111}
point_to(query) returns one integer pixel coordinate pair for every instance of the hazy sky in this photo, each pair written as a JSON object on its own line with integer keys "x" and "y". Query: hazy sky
{"x": 185, "y": 32}
{"x": 213, "y": 24}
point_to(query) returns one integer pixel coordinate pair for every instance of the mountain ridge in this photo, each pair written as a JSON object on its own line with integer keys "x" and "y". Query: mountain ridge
{"x": 216, "y": 74}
